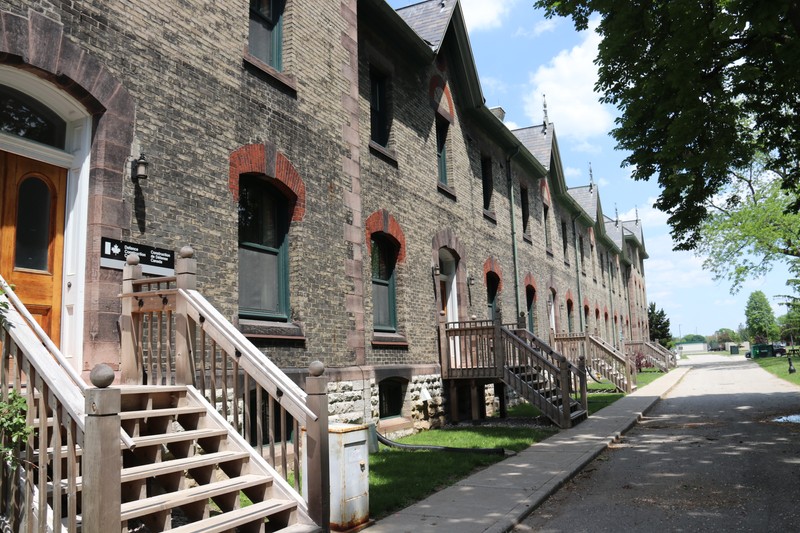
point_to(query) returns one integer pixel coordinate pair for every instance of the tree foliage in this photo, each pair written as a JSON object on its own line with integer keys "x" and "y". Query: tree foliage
{"x": 702, "y": 87}
{"x": 658, "y": 324}
{"x": 750, "y": 228}
{"x": 760, "y": 319}
{"x": 693, "y": 338}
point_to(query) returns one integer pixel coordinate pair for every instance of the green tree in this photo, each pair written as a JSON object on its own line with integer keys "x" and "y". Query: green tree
{"x": 724, "y": 335}
{"x": 749, "y": 228}
{"x": 702, "y": 87}
{"x": 658, "y": 324}
{"x": 760, "y": 319}
{"x": 694, "y": 337}
{"x": 790, "y": 324}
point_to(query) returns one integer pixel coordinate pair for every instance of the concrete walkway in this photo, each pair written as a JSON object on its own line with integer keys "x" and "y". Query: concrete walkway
{"x": 496, "y": 499}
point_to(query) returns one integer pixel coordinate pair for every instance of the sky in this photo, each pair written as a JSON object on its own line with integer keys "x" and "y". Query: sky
{"x": 520, "y": 56}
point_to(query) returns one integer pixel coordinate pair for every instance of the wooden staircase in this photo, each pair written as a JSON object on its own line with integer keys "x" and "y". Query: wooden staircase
{"x": 544, "y": 378}
{"x": 189, "y": 471}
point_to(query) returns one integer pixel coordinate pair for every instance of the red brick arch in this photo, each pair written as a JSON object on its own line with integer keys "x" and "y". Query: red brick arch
{"x": 492, "y": 265}
{"x": 265, "y": 159}
{"x": 438, "y": 83}
{"x": 381, "y": 221}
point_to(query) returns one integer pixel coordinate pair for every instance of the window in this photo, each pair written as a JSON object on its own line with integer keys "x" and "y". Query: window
{"x": 442, "y": 126}
{"x": 526, "y": 211}
{"x": 391, "y": 395}
{"x": 23, "y": 116}
{"x": 594, "y": 263}
{"x": 603, "y": 268}
{"x": 547, "y": 238}
{"x": 263, "y": 250}
{"x": 379, "y": 108}
{"x": 570, "y": 316}
{"x": 383, "y": 256}
{"x": 583, "y": 257}
{"x": 492, "y": 286}
{"x": 530, "y": 306}
{"x": 265, "y": 41}
{"x": 565, "y": 240}
{"x": 488, "y": 182}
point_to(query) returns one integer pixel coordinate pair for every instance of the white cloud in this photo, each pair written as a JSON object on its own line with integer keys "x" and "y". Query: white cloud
{"x": 568, "y": 82}
{"x": 494, "y": 85}
{"x": 602, "y": 182}
{"x": 651, "y": 217}
{"x": 572, "y": 172}
{"x": 483, "y": 15}
{"x": 541, "y": 27}
{"x": 510, "y": 124}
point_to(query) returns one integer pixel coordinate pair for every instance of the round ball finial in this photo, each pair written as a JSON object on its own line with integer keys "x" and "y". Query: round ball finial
{"x": 316, "y": 369}
{"x": 101, "y": 376}
{"x": 132, "y": 259}
{"x": 186, "y": 252}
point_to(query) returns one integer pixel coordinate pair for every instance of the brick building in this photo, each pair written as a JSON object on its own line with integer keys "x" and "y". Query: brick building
{"x": 335, "y": 169}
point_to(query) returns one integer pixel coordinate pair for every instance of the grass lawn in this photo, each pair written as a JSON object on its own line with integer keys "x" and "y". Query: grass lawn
{"x": 780, "y": 367}
{"x": 398, "y": 478}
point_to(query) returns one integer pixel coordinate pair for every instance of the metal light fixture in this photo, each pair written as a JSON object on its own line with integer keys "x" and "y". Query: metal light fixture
{"x": 139, "y": 168}
{"x": 435, "y": 270}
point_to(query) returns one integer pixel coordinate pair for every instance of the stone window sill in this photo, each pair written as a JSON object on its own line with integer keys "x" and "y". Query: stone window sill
{"x": 490, "y": 215}
{"x": 527, "y": 238}
{"x": 384, "y": 152}
{"x": 446, "y": 190}
{"x": 267, "y": 329}
{"x": 284, "y": 81}
{"x": 382, "y": 339}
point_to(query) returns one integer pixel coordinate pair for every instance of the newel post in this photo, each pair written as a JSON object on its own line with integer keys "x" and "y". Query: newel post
{"x": 583, "y": 391}
{"x": 316, "y": 478}
{"x": 566, "y": 413}
{"x": 186, "y": 278}
{"x": 130, "y": 366}
{"x": 102, "y": 460}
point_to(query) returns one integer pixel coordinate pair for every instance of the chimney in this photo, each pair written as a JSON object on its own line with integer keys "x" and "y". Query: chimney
{"x": 499, "y": 112}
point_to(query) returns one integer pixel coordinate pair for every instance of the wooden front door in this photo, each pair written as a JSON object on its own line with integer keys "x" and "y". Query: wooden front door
{"x": 32, "y": 235}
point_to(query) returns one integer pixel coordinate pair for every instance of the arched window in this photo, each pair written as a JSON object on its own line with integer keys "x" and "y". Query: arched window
{"x": 570, "y": 316}
{"x": 530, "y": 306}
{"x": 263, "y": 250}
{"x": 383, "y": 259}
{"x": 22, "y": 116}
{"x": 492, "y": 286}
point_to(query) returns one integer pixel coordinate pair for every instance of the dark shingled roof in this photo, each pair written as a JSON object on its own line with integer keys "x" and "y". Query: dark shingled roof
{"x": 429, "y": 20}
{"x": 586, "y": 197}
{"x": 614, "y": 231}
{"x": 538, "y": 141}
{"x": 635, "y": 229}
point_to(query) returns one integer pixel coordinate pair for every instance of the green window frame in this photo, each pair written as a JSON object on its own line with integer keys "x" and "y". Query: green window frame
{"x": 384, "y": 289}
{"x": 265, "y": 38}
{"x": 263, "y": 250}
{"x": 442, "y": 126}
{"x": 545, "y": 220}
{"x": 530, "y": 305}
{"x": 487, "y": 182}
{"x": 525, "y": 208}
{"x": 492, "y": 288}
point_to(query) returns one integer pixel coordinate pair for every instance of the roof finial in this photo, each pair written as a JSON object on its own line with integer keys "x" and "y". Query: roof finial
{"x": 637, "y": 215}
{"x": 591, "y": 178}
{"x": 544, "y": 108}
{"x": 616, "y": 214}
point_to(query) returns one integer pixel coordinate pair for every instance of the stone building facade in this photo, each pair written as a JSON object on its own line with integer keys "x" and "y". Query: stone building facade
{"x": 336, "y": 171}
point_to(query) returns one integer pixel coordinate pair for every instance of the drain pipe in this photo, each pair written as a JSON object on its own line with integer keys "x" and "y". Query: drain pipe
{"x": 578, "y": 266}
{"x": 513, "y": 231}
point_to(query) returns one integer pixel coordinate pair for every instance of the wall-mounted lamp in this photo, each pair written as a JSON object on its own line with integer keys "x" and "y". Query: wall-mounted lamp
{"x": 139, "y": 168}
{"x": 471, "y": 279}
{"x": 435, "y": 270}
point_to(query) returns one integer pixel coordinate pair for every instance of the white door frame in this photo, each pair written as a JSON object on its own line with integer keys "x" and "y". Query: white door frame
{"x": 75, "y": 159}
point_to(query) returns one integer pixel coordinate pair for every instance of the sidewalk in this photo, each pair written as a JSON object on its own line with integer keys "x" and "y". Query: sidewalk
{"x": 495, "y": 499}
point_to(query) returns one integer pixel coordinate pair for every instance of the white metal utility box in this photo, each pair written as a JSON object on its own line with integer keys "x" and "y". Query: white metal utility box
{"x": 349, "y": 469}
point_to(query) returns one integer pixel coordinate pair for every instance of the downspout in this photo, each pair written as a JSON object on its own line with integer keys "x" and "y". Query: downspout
{"x": 513, "y": 231}
{"x": 578, "y": 267}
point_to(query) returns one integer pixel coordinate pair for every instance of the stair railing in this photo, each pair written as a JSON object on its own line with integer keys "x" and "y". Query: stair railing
{"x": 172, "y": 335}
{"x": 69, "y": 421}
{"x": 571, "y": 374}
{"x": 606, "y": 360}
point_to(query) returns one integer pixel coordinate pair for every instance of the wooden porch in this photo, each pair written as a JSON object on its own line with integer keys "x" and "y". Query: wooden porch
{"x": 489, "y": 352}
{"x": 202, "y": 422}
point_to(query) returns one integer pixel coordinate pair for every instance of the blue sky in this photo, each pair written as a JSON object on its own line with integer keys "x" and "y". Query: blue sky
{"x": 520, "y": 56}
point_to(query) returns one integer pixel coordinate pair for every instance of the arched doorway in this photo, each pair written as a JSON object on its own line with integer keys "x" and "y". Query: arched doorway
{"x": 45, "y": 138}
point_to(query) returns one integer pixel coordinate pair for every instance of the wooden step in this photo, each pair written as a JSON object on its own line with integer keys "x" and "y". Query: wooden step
{"x": 165, "y": 502}
{"x": 155, "y": 413}
{"x": 244, "y": 515}
{"x": 179, "y": 436}
{"x": 150, "y": 389}
{"x": 167, "y": 467}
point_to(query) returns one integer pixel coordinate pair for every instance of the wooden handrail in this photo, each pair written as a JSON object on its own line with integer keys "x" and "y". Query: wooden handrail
{"x": 264, "y": 371}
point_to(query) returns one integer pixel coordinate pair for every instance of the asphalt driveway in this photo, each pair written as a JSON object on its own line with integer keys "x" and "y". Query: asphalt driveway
{"x": 708, "y": 457}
